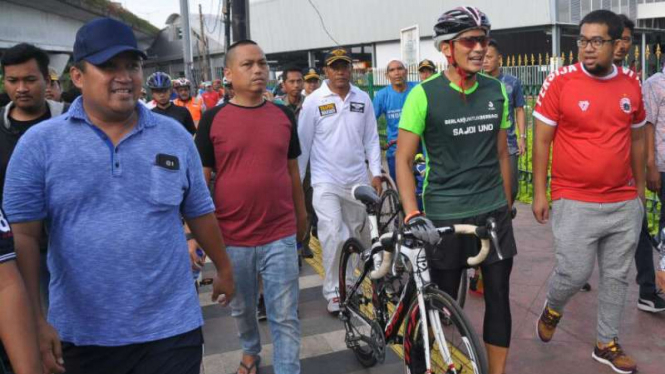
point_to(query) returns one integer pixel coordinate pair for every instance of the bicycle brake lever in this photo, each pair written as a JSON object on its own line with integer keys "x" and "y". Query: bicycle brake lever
{"x": 491, "y": 228}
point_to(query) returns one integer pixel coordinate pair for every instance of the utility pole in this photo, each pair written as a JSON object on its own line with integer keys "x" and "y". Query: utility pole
{"x": 240, "y": 20}
{"x": 205, "y": 56}
{"x": 227, "y": 24}
{"x": 186, "y": 39}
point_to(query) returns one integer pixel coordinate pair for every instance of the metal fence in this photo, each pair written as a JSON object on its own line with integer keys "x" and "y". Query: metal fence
{"x": 532, "y": 71}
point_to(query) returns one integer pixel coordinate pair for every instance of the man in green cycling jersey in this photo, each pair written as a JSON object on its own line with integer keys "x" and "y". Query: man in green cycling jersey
{"x": 461, "y": 118}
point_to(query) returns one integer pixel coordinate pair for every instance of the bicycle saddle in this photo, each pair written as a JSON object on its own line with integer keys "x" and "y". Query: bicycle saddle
{"x": 365, "y": 194}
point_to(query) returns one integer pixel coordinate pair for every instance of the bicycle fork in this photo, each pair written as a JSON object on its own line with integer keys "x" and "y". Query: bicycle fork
{"x": 435, "y": 319}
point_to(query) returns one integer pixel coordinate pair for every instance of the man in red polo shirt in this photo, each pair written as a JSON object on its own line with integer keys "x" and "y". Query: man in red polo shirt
{"x": 593, "y": 113}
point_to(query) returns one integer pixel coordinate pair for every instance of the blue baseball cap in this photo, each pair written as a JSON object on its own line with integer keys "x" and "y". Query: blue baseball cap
{"x": 103, "y": 38}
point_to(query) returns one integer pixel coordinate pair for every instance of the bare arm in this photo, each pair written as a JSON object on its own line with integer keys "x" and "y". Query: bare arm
{"x": 520, "y": 118}
{"x": 17, "y": 322}
{"x": 406, "y": 184}
{"x": 26, "y": 241}
{"x": 298, "y": 198}
{"x": 637, "y": 160}
{"x": 653, "y": 176}
{"x": 504, "y": 164}
{"x": 544, "y": 134}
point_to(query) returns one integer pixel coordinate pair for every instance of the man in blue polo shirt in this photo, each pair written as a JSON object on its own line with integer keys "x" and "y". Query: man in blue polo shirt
{"x": 389, "y": 102}
{"x": 112, "y": 181}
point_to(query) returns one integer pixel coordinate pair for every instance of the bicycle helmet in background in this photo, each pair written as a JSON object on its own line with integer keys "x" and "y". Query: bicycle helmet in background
{"x": 182, "y": 82}
{"x": 159, "y": 81}
{"x": 454, "y": 22}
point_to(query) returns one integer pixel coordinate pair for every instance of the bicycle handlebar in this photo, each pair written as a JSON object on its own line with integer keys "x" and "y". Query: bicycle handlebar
{"x": 484, "y": 233}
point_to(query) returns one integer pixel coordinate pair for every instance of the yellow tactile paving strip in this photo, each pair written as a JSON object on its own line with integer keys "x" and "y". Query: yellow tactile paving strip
{"x": 458, "y": 357}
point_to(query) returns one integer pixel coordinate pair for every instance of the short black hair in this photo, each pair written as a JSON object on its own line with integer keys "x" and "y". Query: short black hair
{"x": 494, "y": 44}
{"x": 232, "y": 47}
{"x": 288, "y": 69}
{"x": 627, "y": 23}
{"x": 605, "y": 17}
{"x": 24, "y": 52}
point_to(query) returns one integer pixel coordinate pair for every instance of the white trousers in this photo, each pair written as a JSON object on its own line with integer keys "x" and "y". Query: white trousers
{"x": 340, "y": 217}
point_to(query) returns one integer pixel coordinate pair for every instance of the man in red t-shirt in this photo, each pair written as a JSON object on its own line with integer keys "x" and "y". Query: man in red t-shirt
{"x": 210, "y": 97}
{"x": 593, "y": 113}
{"x": 252, "y": 145}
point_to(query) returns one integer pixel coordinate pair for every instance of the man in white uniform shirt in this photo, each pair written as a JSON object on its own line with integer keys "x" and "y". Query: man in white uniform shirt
{"x": 338, "y": 132}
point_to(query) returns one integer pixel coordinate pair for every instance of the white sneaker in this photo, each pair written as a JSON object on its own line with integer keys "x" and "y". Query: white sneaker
{"x": 333, "y": 305}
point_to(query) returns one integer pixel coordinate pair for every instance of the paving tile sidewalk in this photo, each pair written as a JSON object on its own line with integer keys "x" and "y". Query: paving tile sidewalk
{"x": 323, "y": 350}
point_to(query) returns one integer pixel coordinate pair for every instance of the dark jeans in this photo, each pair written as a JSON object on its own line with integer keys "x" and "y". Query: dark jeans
{"x": 180, "y": 354}
{"x": 311, "y": 214}
{"x": 646, "y": 274}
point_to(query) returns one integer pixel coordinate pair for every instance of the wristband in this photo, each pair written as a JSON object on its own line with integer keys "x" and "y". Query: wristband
{"x": 189, "y": 236}
{"x": 415, "y": 213}
{"x": 523, "y": 136}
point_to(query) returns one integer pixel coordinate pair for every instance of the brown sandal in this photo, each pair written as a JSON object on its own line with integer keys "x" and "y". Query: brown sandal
{"x": 254, "y": 365}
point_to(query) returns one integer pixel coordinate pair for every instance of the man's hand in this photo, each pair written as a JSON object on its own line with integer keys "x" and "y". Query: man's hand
{"x": 541, "y": 208}
{"x": 660, "y": 279}
{"x": 653, "y": 178}
{"x": 223, "y": 288}
{"x": 521, "y": 146}
{"x": 423, "y": 229}
{"x": 376, "y": 183}
{"x": 50, "y": 348}
{"x": 197, "y": 261}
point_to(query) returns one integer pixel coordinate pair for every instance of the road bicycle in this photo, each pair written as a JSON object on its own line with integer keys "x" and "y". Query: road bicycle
{"x": 386, "y": 297}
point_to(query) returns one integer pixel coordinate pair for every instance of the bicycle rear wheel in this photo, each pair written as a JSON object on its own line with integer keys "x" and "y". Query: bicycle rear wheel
{"x": 356, "y": 309}
{"x": 466, "y": 350}
{"x": 390, "y": 213}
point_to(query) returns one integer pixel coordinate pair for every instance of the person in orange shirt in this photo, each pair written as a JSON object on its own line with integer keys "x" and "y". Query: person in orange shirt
{"x": 185, "y": 99}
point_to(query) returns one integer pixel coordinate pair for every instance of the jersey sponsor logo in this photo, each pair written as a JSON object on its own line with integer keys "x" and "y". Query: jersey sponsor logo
{"x": 625, "y": 105}
{"x": 357, "y": 107}
{"x": 546, "y": 84}
{"x": 4, "y": 225}
{"x": 584, "y": 105}
{"x": 327, "y": 109}
{"x": 490, "y": 106}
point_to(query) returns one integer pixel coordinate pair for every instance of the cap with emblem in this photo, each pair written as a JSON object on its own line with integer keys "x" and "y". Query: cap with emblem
{"x": 426, "y": 64}
{"x": 311, "y": 73}
{"x": 53, "y": 75}
{"x": 102, "y": 39}
{"x": 338, "y": 54}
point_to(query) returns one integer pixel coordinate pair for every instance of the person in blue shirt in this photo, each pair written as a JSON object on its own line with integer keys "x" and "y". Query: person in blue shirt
{"x": 516, "y": 147}
{"x": 113, "y": 181}
{"x": 389, "y": 102}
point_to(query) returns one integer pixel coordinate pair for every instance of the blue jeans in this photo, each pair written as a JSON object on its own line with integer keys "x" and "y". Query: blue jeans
{"x": 277, "y": 263}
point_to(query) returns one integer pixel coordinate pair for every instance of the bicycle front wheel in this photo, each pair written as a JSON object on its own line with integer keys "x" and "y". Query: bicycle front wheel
{"x": 463, "y": 288}
{"x": 462, "y": 348}
{"x": 357, "y": 310}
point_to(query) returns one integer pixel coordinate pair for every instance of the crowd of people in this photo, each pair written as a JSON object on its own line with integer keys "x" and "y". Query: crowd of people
{"x": 109, "y": 204}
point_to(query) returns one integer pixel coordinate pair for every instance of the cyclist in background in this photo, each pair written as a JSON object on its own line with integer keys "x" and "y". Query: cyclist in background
{"x": 388, "y": 102}
{"x": 461, "y": 117}
{"x": 160, "y": 87}
{"x": 185, "y": 99}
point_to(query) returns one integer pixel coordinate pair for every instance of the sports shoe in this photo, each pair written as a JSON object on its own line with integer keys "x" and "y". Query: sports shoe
{"x": 654, "y": 303}
{"x": 261, "y": 314}
{"x": 614, "y": 356}
{"x": 333, "y": 305}
{"x": 547, "y": 323}
{"x": 586, "y": 287}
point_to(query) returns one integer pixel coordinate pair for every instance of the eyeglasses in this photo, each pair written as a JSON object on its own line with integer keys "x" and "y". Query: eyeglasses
{"x": 471, "y": 41}
{"x": 595, "y": 42}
